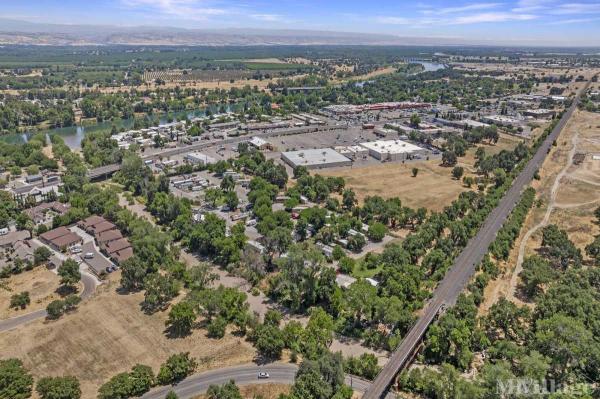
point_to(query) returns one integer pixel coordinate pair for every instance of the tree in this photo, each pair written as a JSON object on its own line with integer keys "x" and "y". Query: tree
{"x": 118, "y": 387}
{"x": 15, "y": 380}
{"x": 171, "y": 395}
{"x": 360, "y": 298}
{"x": 181, "y": 318}
{"x": 415, "y": 120}
{"x": 231, "y": 200}
{"x": 69, "y": 273}
{"x": 349, "y": 199}
{"x": 55, "y": 309}
{"x": 58, "y": 388}
{"x": 41, "y": 255}
{"x": 141, "y": 379}
{"x": 346, "y": 264}
{"x": 159, "y": 291}
{"x": 226, "y": 391}
{"x": 216, "y": 327}
{"x": 536, "y": 273}
{"x": 468, "y": 181}
{"x": 377, "y": 231}
{"x": 176, "y": 368}
{"x": 227, "y": 184}
{"x": 356, "y": 242}
{"x": 363, "y": 366}
{"x": 268, "y": 339}
{"x": 338, "y": 252}
{"x": 415, "y": 172}
{"x": 449, "y": 158}
{"x": 457, "y": 172}
{"x": 20, "y": 300}
{"x": 133, "y": 273}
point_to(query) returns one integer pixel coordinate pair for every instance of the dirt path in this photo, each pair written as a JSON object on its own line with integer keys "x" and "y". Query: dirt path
{"x": 551, "y": 205}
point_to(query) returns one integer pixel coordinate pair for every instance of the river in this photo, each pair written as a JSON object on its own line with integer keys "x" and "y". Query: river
{"x": 73, "y": 135}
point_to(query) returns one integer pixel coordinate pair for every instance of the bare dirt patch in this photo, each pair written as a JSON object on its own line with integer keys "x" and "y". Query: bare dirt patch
{"x": 108, "y": 335}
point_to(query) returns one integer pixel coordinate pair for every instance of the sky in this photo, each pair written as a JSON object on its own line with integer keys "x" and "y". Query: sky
{"x": 544, "y": 22}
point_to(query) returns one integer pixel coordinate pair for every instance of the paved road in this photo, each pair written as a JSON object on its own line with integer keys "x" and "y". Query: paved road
{"x": 247, "y": 374}
{"x": 463, "y": 268}
{"x": 89, "y": 286}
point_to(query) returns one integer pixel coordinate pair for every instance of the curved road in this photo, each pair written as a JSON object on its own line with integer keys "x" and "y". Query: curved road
{"x": 246, "y": 374}
{"x": 89, "y": 286}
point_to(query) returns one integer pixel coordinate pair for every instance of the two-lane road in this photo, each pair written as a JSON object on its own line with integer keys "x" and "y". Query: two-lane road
{"x": 247, "y": 374}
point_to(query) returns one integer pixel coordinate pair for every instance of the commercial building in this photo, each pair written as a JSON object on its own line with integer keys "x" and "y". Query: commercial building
{"x": 393, "y": 150}
{"x": 260, "y": 143}
{"x": 198, "y": 158}
{"x": 501, "y": 120}
{"x": 461, "y": 123}
{"x": 315, "y": 159}
{"x": 352, "y": 151}
{"x": 344, "y": 109}
{"x": 539, "y": 113}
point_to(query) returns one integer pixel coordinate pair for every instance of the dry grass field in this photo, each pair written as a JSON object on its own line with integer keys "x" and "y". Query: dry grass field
{"x": 575, "y": 200}
{"x": 433, "y": 187}
{"x": 41, "y": 284}
{"x": 266, "y": 391}
{"x": 109, "y": 334}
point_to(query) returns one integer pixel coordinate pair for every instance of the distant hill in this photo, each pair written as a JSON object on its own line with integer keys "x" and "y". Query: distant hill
{"x": 30, "y": 33}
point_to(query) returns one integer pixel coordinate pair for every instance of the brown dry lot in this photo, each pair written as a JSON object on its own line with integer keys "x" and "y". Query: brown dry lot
{"x": 41, "y": 284}
{"x": 433, "y": 187}
{"x": 109, "y": 334}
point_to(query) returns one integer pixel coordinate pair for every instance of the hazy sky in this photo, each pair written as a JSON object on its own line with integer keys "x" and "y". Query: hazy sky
{"x": 575, "y": 22}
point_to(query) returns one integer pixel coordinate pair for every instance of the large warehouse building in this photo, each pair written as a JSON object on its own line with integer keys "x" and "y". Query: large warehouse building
{"x": 315, "y": 159}
{"x": 393, "y": 150}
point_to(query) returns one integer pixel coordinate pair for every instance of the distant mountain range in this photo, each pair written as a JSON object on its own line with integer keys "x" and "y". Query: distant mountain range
{"x": 30, "y": 33}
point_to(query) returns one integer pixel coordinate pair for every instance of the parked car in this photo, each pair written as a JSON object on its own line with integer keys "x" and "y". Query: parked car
{"x": 263, "y": 375}
{"x": 88, "y": 255}
{"x": 76, "y": 250}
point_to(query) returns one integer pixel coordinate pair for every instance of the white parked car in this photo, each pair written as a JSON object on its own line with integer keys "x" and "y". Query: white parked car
{"x": 76, "y": 250}
{"x": 263, "y": 375}
{"x": 88, "y": 255}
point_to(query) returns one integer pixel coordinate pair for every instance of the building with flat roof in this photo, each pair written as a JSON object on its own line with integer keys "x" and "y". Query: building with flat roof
{"x": 260, "y": 143}
{"x": 501, "y": 120}
{"x": 392, "y": 150}
{"x": 315, "y": 159}
{"x": 198, "y": 158}
{"x": 539, "y": 113}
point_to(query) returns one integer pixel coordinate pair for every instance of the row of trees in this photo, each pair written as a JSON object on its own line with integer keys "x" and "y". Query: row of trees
{"x": 17, "y": 383}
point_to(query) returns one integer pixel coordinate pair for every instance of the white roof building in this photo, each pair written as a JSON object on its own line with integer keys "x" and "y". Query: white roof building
{"x": 315, "y": 159}
{"x": 392, "y": 150}
{"x": 199, "y": 158}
